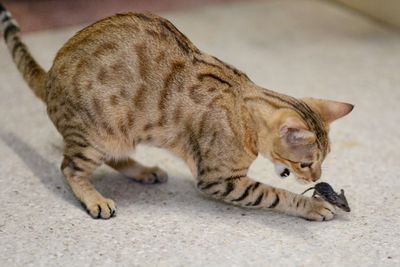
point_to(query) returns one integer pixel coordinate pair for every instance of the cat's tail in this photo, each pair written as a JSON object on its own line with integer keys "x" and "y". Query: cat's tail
{"x": 32, "y": 72}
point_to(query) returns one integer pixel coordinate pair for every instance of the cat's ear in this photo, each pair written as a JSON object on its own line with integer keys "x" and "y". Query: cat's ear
{"x": 294, "y": 132}
{"x": 329, "y": 109}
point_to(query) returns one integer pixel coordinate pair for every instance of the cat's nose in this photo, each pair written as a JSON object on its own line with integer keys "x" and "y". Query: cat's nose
{"x": 315, "y": 175}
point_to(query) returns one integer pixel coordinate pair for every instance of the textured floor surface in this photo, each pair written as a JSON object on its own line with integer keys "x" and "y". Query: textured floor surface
{"x": 303, "y": 48}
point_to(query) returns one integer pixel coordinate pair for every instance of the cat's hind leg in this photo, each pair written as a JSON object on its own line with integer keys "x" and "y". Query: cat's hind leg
{"x": 138, "y": 172}
{"x": 80, "y": 160}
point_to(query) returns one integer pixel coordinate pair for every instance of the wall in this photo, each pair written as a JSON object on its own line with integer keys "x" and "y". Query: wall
{"x": 384, "y": 10}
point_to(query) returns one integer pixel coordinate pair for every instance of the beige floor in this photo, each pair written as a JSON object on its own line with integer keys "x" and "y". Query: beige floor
{"x": 303, "y": 48}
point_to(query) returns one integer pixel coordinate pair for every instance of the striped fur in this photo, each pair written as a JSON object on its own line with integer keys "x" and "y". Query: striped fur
{"x": 314, "y": 121}
{"x": 33, "y": 74}
{"x": 135, "y": 78}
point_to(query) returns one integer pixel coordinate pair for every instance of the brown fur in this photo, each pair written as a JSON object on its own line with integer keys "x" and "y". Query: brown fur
{"x": 134, "y": 78}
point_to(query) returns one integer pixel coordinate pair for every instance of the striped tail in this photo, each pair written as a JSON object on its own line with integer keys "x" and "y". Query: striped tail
{"x": 32, "y": 72}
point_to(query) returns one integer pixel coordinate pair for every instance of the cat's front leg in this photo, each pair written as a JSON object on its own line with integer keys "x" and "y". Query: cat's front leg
{"x": 242, "y": 191}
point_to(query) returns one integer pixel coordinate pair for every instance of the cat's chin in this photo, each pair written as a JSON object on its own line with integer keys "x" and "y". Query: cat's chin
{"x": 302, "y": 180}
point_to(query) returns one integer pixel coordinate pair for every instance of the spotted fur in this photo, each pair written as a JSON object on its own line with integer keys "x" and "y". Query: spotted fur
{"x": 135, "y": 78}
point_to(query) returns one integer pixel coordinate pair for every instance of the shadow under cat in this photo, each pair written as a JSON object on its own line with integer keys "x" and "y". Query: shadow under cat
{"x": 177, "y": 195}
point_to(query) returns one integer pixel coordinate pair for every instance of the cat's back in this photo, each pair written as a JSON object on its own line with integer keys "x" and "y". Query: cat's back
{"x": 118, "y": 55}
{"x": 126, "y": 29}
{"x": 130, "y": 45}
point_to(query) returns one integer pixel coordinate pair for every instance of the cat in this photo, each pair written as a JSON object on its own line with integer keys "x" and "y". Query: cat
{"x": 134, "y": 79}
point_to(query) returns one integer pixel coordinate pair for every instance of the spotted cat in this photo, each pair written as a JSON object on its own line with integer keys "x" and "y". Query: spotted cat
{"x": 134, "y": 79}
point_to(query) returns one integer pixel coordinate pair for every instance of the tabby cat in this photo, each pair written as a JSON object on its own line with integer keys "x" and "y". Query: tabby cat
{"x": 136, "y": 79}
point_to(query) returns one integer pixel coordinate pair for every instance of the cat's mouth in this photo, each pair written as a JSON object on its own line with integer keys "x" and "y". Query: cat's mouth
{"x": 283, "y": 171}
{"x": 302, "y": 180}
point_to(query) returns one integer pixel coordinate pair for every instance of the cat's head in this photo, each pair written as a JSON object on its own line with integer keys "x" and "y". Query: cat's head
{"x": 299, "y": 142}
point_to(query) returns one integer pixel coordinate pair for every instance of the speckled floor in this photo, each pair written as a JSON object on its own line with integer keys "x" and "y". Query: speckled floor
{"x": 303, "y": 48}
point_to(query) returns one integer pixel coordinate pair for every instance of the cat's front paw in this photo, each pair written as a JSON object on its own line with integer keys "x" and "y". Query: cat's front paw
{"x": 101, "y": 208}
{"x": 319, "y": 210}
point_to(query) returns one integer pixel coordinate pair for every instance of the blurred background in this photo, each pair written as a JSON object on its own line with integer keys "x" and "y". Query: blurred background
{"x": 34, "y": 15}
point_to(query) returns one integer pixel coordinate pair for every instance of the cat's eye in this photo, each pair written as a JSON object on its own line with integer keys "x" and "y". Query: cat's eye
{"x": 306, "y": 165}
